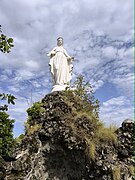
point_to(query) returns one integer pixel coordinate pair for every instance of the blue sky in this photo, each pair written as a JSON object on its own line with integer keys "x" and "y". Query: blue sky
{"x": 99, "y": 34}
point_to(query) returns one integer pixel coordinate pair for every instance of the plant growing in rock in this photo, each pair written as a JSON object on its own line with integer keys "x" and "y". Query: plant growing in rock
{"x": 83, "y": 96}
{"x": 75, "y": 111}
{"x": 107, "y": 134}
{"x": 86, "y": 123}
{"x": 131, "y": 170}
{"x": 116, "y": 173}
{"x": 18, "y": 140}
{"x": 34, "y": 112}
{"x": 32, "y": 129}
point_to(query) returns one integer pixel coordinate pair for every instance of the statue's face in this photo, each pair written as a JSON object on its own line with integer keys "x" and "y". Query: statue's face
{"x": 60, "y": 42}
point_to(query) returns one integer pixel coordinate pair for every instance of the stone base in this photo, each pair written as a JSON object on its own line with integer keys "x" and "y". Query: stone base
{"x": 59, "y": 88}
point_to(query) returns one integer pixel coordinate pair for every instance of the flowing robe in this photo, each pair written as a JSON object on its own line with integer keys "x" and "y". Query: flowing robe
{"x": 60, "y": 66}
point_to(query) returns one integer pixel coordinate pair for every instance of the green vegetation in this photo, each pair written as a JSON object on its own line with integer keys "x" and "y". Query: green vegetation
{"x": 10, "y": 100}
{"x": 6, "y": 124}
{"x": 90, "y": 149}
{"x": 5, "y": 46}
{"x": 5, "y": 43}
{"x": 107, "y": 134}
{"x": 93, "y": 132}
{"x": 85, "y": 112}
{"x": 32, "y": 129}
{"x": 6, "y": 135}
{"x": 34, "y": 113}
{"x": 19, "y": 139}
{"x": 81, "y": 95}
{"x": 83, "y": 121}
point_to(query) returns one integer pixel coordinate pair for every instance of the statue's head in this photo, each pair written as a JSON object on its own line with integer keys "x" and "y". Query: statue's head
{"x": 60, "y": 41}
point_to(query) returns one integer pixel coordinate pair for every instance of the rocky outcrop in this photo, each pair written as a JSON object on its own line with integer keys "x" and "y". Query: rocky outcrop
{"x": 55, "y": 147}
{"x": 125, "y": 135}
{"x": 120, "y": 158}
{"x": 2, "y": 168}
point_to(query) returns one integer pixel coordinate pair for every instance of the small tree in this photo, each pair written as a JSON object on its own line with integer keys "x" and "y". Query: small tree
{"x": 6, "y": 135}
{"x": 6, "y": 127}
{"x": 85, "y": 92}
{"x": 82, "y": 94}
{"x": 5, "y": 46}
{"x": 6, "y": 124}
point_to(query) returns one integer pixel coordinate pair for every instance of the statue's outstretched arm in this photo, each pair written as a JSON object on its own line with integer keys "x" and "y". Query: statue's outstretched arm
{"x": 67, "y": 55}
{"x": 52, "y": 53}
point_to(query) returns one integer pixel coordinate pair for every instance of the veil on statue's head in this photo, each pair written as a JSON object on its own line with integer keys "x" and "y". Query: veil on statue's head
{"x": 59, "y": 38}
{"x": 59, "y": 41}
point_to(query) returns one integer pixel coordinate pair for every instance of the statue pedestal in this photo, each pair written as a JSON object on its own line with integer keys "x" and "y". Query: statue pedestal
{"x": 59, "y": 88}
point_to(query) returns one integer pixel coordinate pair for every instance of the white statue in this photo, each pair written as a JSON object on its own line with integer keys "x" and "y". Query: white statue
{"x": 60, "y": 66}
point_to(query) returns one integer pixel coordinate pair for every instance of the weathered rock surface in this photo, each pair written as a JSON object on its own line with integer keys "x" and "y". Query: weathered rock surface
{"x": 56, "y": 151}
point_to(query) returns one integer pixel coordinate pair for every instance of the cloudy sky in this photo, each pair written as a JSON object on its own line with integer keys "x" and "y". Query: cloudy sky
{"x": 99, "y": 34}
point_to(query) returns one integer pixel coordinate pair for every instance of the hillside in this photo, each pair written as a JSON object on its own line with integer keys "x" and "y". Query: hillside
{"x": 62, "y": 141}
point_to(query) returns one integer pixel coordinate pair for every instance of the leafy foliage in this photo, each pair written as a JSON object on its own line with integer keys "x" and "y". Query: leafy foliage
{"x": 6, "y": 127}
{"x": 82, "y": 94}
{"x": 6, "y": 124}
{"x": 81, "y": 98}
{"x": 10, "y": 100}
{"x": 32, "y": 129}
{"x": 6, "y": 135}
{"x": 91, "y": 130}
{"x": 81, "y": 116}
{"x": 19, "y": 139}
{"x": 5, "y": 43}
{"x": 34, "y": 113}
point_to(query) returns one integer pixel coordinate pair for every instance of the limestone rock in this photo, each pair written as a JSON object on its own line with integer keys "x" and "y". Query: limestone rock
{"x": 57, "y": 151}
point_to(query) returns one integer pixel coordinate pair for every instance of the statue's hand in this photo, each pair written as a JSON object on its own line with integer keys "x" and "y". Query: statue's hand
{"x": 53, "y": 53}
{"x": 70, "y": 59}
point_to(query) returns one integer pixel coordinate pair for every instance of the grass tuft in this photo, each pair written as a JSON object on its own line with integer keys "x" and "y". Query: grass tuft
{"x": 116, "y": 173}
{"x": 107, "y": 134}
{"x": 90, "y": 149}
{"x": 32, "y": 129}
{"x": 131, "y": 170}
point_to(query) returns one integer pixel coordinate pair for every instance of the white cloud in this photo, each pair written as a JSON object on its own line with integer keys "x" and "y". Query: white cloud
{"x": 3, "y": 77}
{"x": 119, "y": 101}
{"x": 125, "y": 84}
{"x": 32, "y": 65}
{"x": 116, "y": 110}
{"x": 14, "y": 89}
{"x": 96, "y": 84}
{"x": 18, "y": 111}
{"x": 127, "y": 56}
{"x": 99, "y": 34}
{"x": 24, "y": 75}
{"x": 109, "y": 52}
